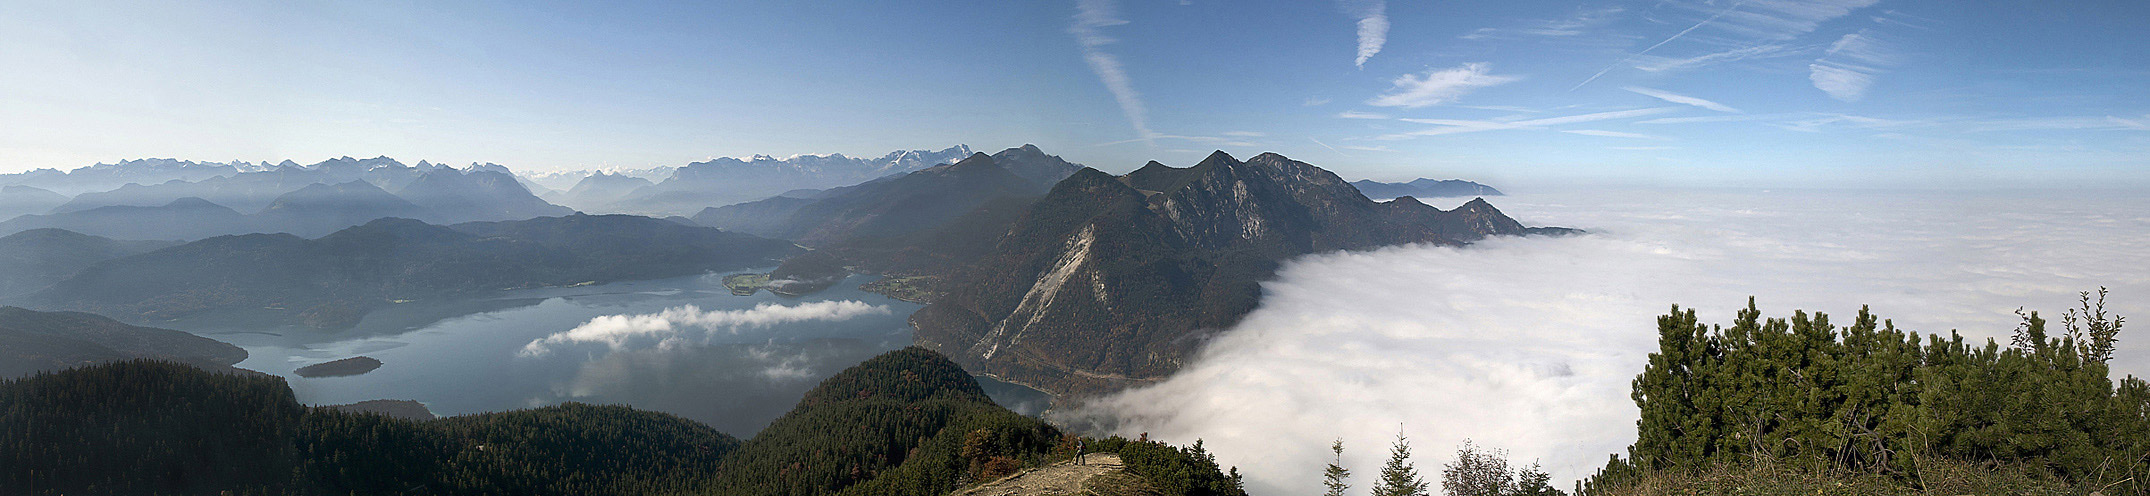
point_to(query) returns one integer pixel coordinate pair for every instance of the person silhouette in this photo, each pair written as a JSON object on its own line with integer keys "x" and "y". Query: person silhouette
{"x": 1079, "y": 451}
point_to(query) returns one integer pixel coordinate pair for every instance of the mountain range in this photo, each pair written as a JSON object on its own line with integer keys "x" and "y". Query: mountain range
{"x": 332, "y": 281}
{"x": 599, "y": 192}
{"x": 34, "y": 259}
{"x": 307, "y": 209}
{"x": 1078, "y": 282}
{"x": 727, "y": 180}
{"x": 895, "y": 205}
{"x": 33, "y": 341}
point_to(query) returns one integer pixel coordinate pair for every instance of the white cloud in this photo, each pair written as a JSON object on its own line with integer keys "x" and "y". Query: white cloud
{"x": 2138, "y": 125}
{"x": 1370, "y": 148}
{"x": 1091, "y": 17}
{"x": 1849, "y": 66}
{"x": 1681, "y": 99}
{"x": 690, "y": 324}
{"x": 1661, "y": 64}
{"x": 1373, "y": 26}
{"x": 1840, "y": 82}
{"x": 2107, "y": 123}
{"x": 1439, "y": 86}
{"x": 1233, "y": 138}
{"x": 1529, "y": 344}
{"x": 1861, "y": 47}
{"x": 1611, "y": 134}
{"x": 1354, "y": 114}
{"x": 1455, "y": 126}
{"x": 1772, "y": 19}
{"x": 1707, "y": 118}
{"x": 1817, "y": 122}
{"x": 1596, "y": 116}
{"x": 1570, "y": 26}
{"x": 1317, "y": 141}
{"x": 1769, "y": 20}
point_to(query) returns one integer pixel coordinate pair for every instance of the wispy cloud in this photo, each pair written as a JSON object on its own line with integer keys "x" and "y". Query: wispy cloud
{"x": 1439, "y": 86}
{"x": 1570, "y": 26}
{"x": 1662, "y": 64}
{"x": 1354, "y": 114}
{"x": 2138, "y": 125}
{"x": 1611, "y": 134}
{"x": 1314, "y": 102}
{"x": 1818, "y": 123}
{"x": 1765, "y": 20}
{"x": 1326, "y": 145}
{"x": 1771, "y": 19}
{"x": 1681, "y": 99}
{"x": 1840, "y": 82}
{"x": 1382, "y": 149}
{"x": 1848, "y": 68}
{"x": 1705, "y": 119}
{"x": 1233, "y": 138}
{"x": 1458, "y": 126}
{"x": 1598, "y": 116}
{"x": 1091, "y": 17}
{"x": 1372, "y": 17}
{"x": 1502, "y": 108}
{"x": 2106, "y": 123}
{"x": 687, "y": 324}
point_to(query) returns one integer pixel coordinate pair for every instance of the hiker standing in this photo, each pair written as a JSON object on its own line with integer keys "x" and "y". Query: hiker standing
{"x": 1079, "y": 450}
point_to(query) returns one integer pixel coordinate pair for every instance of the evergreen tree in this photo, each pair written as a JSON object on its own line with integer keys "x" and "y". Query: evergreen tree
{"x": 1398, "y": 477}
{"x": 1872, "y": 400}
{"x": 1533, "y": 481}
{"x": 1477, "y": 473}
{"x": 1334, "y": 477}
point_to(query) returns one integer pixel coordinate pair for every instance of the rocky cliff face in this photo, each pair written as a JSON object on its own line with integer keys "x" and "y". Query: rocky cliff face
{"x": 1108, "y": 282}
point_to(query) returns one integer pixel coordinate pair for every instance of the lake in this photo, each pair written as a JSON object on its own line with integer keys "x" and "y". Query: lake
{"x": 733, "y": 366}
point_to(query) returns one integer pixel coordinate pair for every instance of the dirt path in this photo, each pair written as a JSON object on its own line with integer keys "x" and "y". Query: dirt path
{"x": 1061, "y": 478}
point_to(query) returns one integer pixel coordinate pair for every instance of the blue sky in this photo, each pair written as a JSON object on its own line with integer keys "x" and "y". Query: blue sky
{"x": 1728, "y": 92}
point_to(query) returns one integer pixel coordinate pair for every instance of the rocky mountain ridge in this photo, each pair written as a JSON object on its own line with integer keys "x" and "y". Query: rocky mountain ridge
{"x": 1110, "y": 281}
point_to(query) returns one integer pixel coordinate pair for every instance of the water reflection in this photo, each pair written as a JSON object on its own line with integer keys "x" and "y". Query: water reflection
{"x": 460, "y": 363}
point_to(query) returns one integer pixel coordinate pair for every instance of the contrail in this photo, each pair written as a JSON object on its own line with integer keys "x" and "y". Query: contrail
{"x": 1326, "y": 145}
{"x": 1675, "y": 36}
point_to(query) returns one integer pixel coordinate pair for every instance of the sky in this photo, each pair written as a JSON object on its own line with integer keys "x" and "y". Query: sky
{"x": 1809, "y": 93}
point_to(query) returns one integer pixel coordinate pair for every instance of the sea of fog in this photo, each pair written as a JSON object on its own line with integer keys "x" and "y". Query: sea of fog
{"x": 685, "y": 346}
{"x": 1529, "y": 344}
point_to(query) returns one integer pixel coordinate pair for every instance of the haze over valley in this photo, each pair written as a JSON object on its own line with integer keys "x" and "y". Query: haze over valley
{"x": 1081, "y": 247}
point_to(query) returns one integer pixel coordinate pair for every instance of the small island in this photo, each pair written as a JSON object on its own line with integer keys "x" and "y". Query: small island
{"x": 746, "y": 284}
{"x": 339, "y": 368}
{"x": 806, "y": 273}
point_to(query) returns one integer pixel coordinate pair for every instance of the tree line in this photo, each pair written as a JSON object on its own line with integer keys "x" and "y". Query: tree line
{"x": 1874, "y": 402}
{"x": 909, "y": 422}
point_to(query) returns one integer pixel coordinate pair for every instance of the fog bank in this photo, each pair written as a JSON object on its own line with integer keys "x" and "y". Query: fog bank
{"x": 1529, "y": 344}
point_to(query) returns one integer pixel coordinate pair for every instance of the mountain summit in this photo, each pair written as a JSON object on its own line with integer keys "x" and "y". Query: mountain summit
{"x": 1108, "y": 282}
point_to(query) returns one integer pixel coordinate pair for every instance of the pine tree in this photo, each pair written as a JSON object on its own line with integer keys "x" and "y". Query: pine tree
{"x": 1398, "y": 478}
{"x": 1533, "y": 481}
{"x": 1477, "y": 473}
{"x": 1336, "y": 474}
